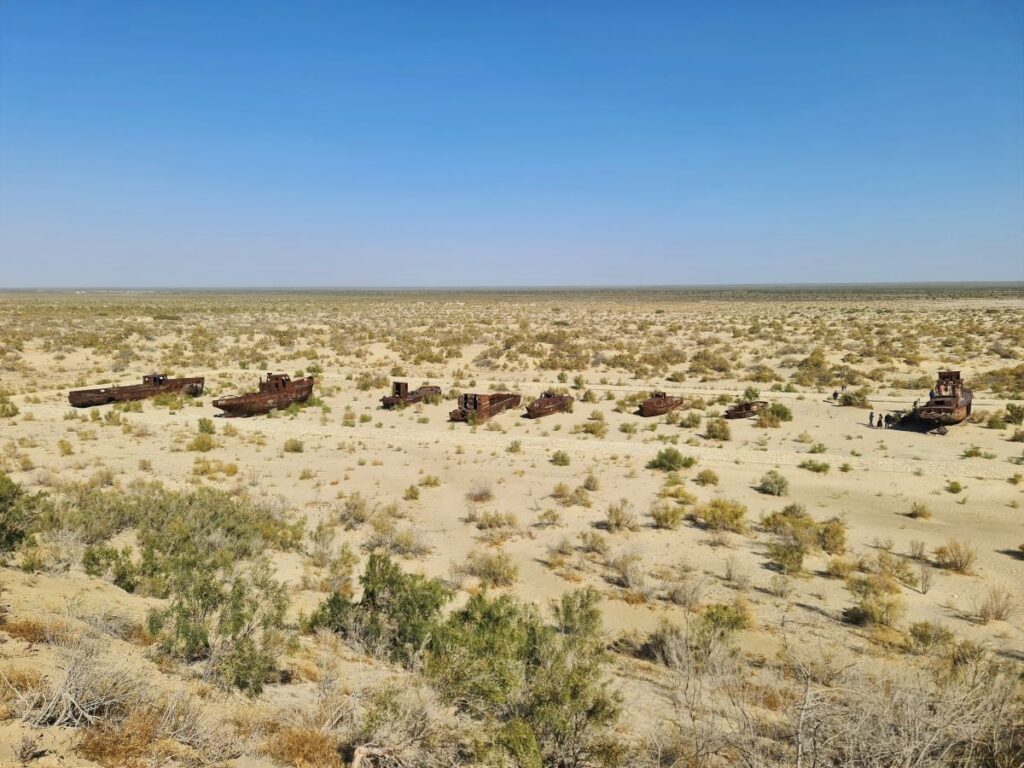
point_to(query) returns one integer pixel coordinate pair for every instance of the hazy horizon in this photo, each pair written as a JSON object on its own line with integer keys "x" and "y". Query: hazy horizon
{"x": 581, "y": 144}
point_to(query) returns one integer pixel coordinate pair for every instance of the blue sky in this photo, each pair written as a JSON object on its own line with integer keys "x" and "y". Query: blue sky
{"x": 477, "y": 143}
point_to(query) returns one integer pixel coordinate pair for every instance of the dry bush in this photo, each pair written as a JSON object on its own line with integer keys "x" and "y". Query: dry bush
{"x": 628, "y": 568}
{"x": 304, "y": 747}
{"x": 956, "y": 556}
{"x": 494, "y": 569}
{"x": 722, "y": 515}
{"x": 666, "y": 514}
{"x": 997, "y": 605}
{"x": 620, "y": 517}
{"x": 35, "y": 631}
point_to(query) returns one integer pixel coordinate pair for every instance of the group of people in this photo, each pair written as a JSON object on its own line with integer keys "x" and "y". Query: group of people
{"x": 884, "y": 422}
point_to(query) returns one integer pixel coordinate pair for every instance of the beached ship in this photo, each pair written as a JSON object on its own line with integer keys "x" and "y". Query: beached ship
{"x": 401, "y": 395}
{"x": 152, "y": 385}
{"x": 476, "y": 408}
{"x": 743, "y": 410}
{"x": 659, "y": 403}
{"x": 548, "y": 403}
{"x": 276, "y": 391}
{"x": 949, "y": 402}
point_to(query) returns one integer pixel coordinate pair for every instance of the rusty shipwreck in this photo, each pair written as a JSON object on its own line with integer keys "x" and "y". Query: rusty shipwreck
{"x": 475, "y": 408}
{"x": 950, "y": 401}
{"x": 401, "y": 395}
{"x": 276, "y": 391}
{"x": 549, "y": 403}
{"x": 152, "y": 385}
{"x": 659, "y": 403}
{"x": 743, "y": 410}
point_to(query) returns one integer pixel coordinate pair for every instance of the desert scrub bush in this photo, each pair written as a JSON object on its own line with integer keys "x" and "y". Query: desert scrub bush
{"x": 480, "y": 494}
{"x": 542, "y": 685}
{"x": 874, "y": 603}
{"x": 706, "y": 477}
{"x": 927, "y": 637}
{"x": 787, "y": 555}
{"x": 560, "y": 459}
{"x": 412, "y": 493}
{"x": 490, "y": 520}
{"x": 722, "y": 515}
{"x": 202, "y": 443}
{"x": 671, "y": 460}
{"x": 206, "y": 426}
{"x": 717, "y": 429}
{"x": 104, "y": 561}
{"x": 516, "y": 446}
{"x": 997, "y": 605}
{"x": 593, "y": 543}
{"x": 856, "y": 398}
{"x": 956, "y": 556}
{"x": 8, "y": 409}
{"x": 18, "y": 513}
{"x": 232, "y": 621}
{"x": 691, "y": 420}
{"x": 620, "y": 517}
{"x": 920, "y": 511}
{"x": 773, "y": 483}
{"x": 591, "y": 483}
{"x": 293, "y": 445}
{"x": 793, "y": 522}
{"x": 954, "y": 487}
{"x": 494, "y": 568}
{"x": 819, "y": 467}
{"x": 429, "y": 481}
{"x": 65, "y": 448}
{"x": 395, "y": 616}
{"x": 666, "y": 515}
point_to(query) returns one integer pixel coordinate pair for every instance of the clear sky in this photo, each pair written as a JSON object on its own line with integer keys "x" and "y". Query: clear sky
{"x": 173, "y": 143}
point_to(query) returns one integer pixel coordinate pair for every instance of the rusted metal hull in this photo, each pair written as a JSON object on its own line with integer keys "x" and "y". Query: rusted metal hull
{"x": 85, "y": 398}
{"x": 255, "y": 403}
{"x": 948, "y": 414}
{"x": 950, "y": 401}
{"x": 743, "y": 410}
{"x": 401, "y": 395}
{"x": 549, "y": 403}
{"x": 659, "y": 404}
{"x": 477, "y": 408}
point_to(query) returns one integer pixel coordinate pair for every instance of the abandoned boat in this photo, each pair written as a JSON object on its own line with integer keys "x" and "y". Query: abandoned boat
{"x": 743, "y": 410}
{"x": 152, "y": 385}
{"x": 401, "y": 395}
{"x": 476, "y": 408}
{"x": 659, "y": 404}
{"x": 277, "y": 390}
{"x": 548, "y": 403}
{"x": 950, "y": 401}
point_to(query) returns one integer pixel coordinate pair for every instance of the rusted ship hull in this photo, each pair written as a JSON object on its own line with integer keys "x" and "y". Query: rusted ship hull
{"x": 659, "y": 404}
{"x": 268, "y": 399}
{"x": 478, "y": 408}
{"x": 401, "y": 395}
{"x": 85, "y": 398}
{"x": 950, "y": 401}
{"x": 945, "y": 413}
{"x": 743, "y": 410}
{"x": 547, "y": 404}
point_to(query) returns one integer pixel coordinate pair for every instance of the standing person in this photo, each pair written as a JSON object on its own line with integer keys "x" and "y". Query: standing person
{"x": 835, "y": 395}
{"x": 871, "y": 419}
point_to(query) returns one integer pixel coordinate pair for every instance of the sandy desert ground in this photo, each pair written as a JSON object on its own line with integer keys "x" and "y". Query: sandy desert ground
{"x": 728, "y": 625}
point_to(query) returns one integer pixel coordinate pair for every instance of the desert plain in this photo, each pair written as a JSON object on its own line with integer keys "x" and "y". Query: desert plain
{"x": 794, "y": 589}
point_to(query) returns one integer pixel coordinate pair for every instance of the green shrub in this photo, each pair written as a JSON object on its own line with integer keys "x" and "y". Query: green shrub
{"x": 787, "y": 555}
{"x": 560, "y": 459}
{"x": 620, "y": 516}
{"x": 820, "y": 467}
{"x": 773, "y": 483}
{"x": 666, "y": 515}
{"x": 293, "y": 445}
{"x": 202, "y": 443}
{"x": 671, "y": 460}
{"x": 106, "y": 562}
{"x": 18, "y": 513}
{"x": 494, "y": 569}
{"x": 706, "y": 477}
{"x": 206, "y": 426}
{"x": 1015, "y": 413}
{"x": 722, "y": 515}
{"x": 717, "y": 429}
